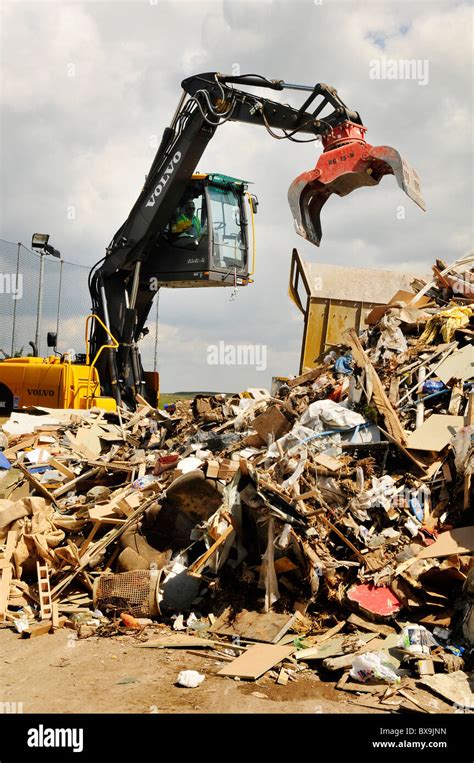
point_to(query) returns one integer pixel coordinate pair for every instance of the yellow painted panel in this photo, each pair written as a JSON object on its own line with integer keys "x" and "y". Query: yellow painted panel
{"x": 313, "y": 335}
{"x": 342, "y": 316}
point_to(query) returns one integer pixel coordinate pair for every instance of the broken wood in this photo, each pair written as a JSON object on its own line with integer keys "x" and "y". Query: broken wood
{"x": 381, "y": 400}
{"x": 36, "y": 484}
{"x": 72, "y": 483}
{"x": 197, "y": 566}
{"x": 38, "y": 629}
{"x": 5, "y": 579}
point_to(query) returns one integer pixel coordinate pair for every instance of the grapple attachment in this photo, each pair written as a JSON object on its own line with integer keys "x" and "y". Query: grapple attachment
{"x": 347, "y": 163}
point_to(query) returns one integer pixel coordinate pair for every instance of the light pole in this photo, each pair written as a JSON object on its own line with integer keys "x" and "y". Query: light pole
{"x": 40, "y": 241}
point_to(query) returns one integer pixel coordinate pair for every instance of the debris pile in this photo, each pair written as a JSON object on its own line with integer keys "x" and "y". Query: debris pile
{"x": 326, "y": 525}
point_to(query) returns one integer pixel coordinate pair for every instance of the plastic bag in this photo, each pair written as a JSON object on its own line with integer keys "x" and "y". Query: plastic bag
{"x": 373, "y": 665}
{"x": 190, "y": 679}
{"x": 326, "y": 414}
{"x": 147, "y": 482}
{"x": 416, "y": 639}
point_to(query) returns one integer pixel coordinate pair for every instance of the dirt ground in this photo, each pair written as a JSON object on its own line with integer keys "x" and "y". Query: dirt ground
{"x": 58, "y": 673}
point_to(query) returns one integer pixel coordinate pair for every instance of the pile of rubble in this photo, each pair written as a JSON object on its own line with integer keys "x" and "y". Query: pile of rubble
{"x": 324, "y": 526}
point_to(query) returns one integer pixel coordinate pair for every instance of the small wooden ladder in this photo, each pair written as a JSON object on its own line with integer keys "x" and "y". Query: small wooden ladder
{"x": 44, "y": 591}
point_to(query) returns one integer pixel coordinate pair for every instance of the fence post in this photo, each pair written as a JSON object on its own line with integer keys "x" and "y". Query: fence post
{"x": 155, "y": 359}
{"x": 61, "y": 263}
{"x": 39, "y": 305}
{"x": 15, "y": 301}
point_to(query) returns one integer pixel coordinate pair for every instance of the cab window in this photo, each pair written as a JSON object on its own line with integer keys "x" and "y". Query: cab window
{"x": 228, "y": 231}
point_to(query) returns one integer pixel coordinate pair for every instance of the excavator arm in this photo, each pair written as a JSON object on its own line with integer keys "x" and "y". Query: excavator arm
{"x": 119, "y": 283}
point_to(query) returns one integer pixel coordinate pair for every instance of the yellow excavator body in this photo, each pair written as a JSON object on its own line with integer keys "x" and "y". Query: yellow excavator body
{"x": 52, "y": 382}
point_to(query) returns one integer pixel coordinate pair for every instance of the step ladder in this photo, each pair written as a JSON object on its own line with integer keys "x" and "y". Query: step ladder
{"x": 44, "y": 591}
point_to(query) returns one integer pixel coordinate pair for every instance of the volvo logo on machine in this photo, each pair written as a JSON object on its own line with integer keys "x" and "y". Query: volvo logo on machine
{"x": 164, "y": 179}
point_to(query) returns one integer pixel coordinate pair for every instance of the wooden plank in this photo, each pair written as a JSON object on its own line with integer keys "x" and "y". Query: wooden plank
{"x": 55, "y": 614}
{"x": 268, "y": 627}
{"x": 210, "y": 655}
{"x": 62, "y": 468}
{"x": 113, "y": 465}
{"x": 100, "y": 512}
{"x": 36, "y": 484}
{"x": 38, "y": 629}
{"x": 183, "y": 640}
{"x": 256, "y": 661}
{"x": 366, "y": 625}
{"x": 6, "y": 576}
{"x": 90, "y": 538}
{"x": 345, "y": 660}
{"x": 306, "y": 377}
{"x": 348, "y": 543}
{"x": 68, "y": 485}
{"x": 344, "y": 679}
{"x": 178, "y": 641}
{"x": 329, "y": 462}
{"x": 467, "y": 490}
{"x": 11, "y": 452}
{"x": 200, "y": 563}
{"x": 130, "y": 502}
{"x": 315, "y": 493}
{"x": 10, "y": 544}
{"x": 469, "y": 414}
{"x": 335, "y": 647}
{"x": 138, "y": 416}
{"x": 374, "y": 705}
{"x": 330, "y": 633}
{"x": 380, "y": 398}
{"x": 212, "y": 468}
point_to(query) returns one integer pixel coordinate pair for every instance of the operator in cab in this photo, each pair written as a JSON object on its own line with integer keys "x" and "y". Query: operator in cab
{"x": 187, "y": 222}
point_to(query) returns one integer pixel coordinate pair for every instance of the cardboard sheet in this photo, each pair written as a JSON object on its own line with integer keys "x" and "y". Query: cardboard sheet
{"x": 458, "y": 365}
{"x": 435, "y": 432}
{"x": 459, "y": 541}
{"x": 256, "y": 661}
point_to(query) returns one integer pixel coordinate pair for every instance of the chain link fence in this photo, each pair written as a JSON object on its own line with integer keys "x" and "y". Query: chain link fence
{"x": 41, "y": 293}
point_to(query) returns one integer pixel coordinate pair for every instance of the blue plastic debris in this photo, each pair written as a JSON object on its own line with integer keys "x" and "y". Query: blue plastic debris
{"x": 39, "y": 469}
{"x": 432, "y": 385}
{"x": 344, "y": 364}
{"x": 4, "y": 462}
{"x": 416, "y": 508}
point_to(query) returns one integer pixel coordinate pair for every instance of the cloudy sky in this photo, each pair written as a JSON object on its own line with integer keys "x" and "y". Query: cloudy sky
{"x": 86, "y": 87}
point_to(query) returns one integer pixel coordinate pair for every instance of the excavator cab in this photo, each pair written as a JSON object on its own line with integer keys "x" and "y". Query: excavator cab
{"x": 209, "y": 240}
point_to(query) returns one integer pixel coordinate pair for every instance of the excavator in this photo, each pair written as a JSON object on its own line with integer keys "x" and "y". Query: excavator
{"x": 189, "y": 230}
